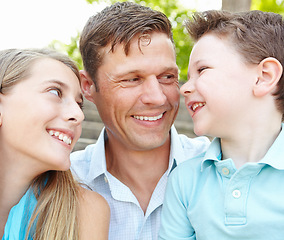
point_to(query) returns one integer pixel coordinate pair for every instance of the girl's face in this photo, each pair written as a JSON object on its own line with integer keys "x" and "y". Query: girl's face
{"x": 41, "y": 118}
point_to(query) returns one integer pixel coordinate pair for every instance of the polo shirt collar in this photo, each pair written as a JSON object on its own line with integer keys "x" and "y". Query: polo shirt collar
{"x": 213, "y": 154}
{"x": 273, "y": 157}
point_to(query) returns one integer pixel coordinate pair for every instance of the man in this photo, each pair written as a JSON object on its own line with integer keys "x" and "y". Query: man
{"x": 132, "y": 77}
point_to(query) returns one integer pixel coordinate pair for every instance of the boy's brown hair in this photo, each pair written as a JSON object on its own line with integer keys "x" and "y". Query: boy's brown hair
{"x": 256, "y": 35}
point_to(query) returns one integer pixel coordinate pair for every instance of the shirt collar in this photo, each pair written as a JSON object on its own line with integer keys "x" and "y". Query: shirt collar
{"x": 273, "y": 157}
{"x": 97, "y": 158}
{"x": 213, "y": 154}
{"x": 177, "y": 154}
{"x": 98, "y": 166}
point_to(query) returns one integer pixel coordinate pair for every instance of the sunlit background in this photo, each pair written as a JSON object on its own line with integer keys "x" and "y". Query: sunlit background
{"x": 35, "y": 23}
{"x": 57, "y": 23}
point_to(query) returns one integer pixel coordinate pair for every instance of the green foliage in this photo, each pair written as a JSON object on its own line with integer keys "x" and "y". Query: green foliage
{"x": 175, "y": 12}
{"x": 276, "y": 6}
{"x": 72, "y": 49}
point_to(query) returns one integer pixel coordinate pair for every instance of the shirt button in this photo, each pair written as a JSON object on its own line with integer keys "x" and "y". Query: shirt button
{"x": 236, "y": 193}
{"x": 105, "y": 178}
{"x": 225, "y": 171}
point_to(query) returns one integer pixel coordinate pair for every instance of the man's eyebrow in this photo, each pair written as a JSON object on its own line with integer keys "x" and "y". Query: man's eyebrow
{"x": 141, "y": 71}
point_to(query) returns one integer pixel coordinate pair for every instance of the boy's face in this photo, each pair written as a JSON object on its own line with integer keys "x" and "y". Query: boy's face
{"x": 219, "y": 87}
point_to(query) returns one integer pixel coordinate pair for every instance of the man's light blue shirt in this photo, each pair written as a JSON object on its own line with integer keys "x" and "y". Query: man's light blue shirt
{"x": 209, "y": 199}
{"x": 128, "y": 221}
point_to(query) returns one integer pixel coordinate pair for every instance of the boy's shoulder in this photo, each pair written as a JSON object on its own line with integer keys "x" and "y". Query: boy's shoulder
{"x": 190, "y": 166}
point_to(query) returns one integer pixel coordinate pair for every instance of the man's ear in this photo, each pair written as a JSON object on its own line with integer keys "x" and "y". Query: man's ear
{"x": 87, "y": 86}
{"x": 269, "y": 74}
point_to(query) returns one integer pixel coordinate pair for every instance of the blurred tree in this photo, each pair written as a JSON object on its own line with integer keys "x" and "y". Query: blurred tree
{"x": 236, "y": 6}
{"x": 175, "y": 12}
{"x": 72, "y": 49}
{"x": 276, "y": 6}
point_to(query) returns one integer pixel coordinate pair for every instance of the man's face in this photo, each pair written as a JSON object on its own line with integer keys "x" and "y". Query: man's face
{"x": 138, "y": 95}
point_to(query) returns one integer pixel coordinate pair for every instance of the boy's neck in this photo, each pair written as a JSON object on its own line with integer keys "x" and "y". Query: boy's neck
{"x": 253, "y": 146}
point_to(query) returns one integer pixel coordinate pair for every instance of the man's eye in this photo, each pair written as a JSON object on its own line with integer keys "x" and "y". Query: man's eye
{"x": 132, "y": 82}
{"x": 55, "y": 91}
{"x": 168, "y": 78}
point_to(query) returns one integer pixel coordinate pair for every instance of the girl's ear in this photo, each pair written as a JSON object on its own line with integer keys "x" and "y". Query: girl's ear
{"x": 269, "y": 73}
{"x": 87, "y": 86}
{"x": 1, "y": 114}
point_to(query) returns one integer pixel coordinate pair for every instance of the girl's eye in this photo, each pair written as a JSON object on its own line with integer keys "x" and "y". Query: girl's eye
{"x": 56, "y": 92}
{"x": 81, "y": 105}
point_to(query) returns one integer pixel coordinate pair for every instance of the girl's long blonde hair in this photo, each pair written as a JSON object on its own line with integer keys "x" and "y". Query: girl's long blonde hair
{"x": 55, "y": 215}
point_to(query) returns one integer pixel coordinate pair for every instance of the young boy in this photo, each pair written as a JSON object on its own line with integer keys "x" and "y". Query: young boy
{"x": 235, "y": 94}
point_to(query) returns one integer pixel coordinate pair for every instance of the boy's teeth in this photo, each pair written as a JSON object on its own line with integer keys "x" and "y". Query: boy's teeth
{"x": 196, "y": 105}
{"x": 60, "y": 136}
{"x": 144, "y": 118}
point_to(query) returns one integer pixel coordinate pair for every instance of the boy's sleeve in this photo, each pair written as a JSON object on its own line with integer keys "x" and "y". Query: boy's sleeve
{"x": 175, "y": 224}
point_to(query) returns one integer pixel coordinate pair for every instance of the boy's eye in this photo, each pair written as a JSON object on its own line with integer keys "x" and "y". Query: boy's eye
{"x": 201, "y": 69}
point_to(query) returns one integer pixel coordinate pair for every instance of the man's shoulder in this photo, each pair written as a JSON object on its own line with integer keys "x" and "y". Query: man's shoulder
{"x": 81, "y": 162}
{"x": 193, "y": 146}
{"x": 188, "y": 173}
{"x": 189, "y": 141}
{"x": 83, "y": 155}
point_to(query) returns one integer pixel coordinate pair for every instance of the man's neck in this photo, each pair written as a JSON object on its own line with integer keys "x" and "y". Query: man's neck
{"x": 138, "y": 170}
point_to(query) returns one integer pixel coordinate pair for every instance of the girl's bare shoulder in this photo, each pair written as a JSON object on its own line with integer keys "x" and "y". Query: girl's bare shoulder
{"x": 94, "y": 215}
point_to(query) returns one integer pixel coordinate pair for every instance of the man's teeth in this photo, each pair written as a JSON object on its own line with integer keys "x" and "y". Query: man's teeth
{"x": 196, "y": 105}
{"x": 143, "y": 118}
{"x": 61, "y": 136}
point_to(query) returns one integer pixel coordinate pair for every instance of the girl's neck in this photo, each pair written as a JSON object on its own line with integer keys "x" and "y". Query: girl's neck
{"x": 13, "y": 185}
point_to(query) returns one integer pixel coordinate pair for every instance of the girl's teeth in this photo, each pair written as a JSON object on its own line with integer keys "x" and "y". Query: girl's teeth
{"x": 60, "y": 136}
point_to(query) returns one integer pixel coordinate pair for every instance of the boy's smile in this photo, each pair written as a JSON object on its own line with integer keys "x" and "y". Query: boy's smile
{"x": 217, "y": 77}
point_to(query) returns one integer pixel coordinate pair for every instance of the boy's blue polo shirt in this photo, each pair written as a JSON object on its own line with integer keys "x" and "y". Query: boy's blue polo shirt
{"x": 207, "y": 198}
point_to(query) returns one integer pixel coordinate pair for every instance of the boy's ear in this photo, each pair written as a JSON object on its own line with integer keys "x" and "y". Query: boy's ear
{"x": 87, "y": 86}
{"x": 269, "y": 73}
